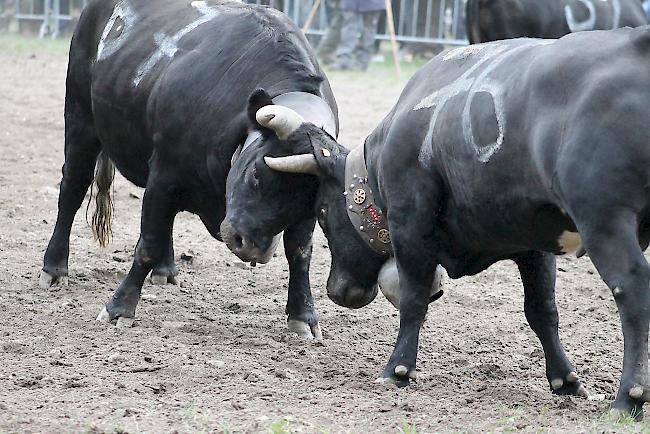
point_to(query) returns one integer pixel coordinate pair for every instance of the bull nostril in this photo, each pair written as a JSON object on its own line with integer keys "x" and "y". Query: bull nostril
{"x": 237, "y": 242}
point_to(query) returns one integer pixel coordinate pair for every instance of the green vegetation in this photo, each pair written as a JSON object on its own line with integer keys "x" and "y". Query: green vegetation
{"x": 22, "y": 44}
{"x": 408, "y": 428}
{"x": 280, "y": 427}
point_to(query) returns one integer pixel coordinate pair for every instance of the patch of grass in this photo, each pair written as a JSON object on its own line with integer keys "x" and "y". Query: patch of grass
{"x": 408, "y": 428}
{"x": 280, "y": 427}
{"x": 22, "y": 44}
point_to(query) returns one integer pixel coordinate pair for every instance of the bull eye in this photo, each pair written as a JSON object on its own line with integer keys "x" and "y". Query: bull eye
{"x": 322, "y": 214}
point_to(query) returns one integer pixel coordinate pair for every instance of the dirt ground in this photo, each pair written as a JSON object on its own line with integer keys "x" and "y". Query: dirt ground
{"x": 213, "y": 355}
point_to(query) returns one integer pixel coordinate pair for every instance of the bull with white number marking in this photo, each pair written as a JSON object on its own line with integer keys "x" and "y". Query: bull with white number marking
{"x": 160, "y": 90}
{"x": 492, "y": 20}
{"x": 522, "y": 150}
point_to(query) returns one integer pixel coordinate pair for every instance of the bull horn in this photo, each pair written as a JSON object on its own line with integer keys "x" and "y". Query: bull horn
{"x": 280, "y": 119}
{"x": 303, "y": 163}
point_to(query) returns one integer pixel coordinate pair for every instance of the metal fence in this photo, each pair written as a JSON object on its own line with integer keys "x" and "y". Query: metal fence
{"x": 422, "y": 21}
{"x": 51, "y": 17}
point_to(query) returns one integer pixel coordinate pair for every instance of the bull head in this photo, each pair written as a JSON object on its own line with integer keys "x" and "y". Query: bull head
{"x": 284, "y": 121}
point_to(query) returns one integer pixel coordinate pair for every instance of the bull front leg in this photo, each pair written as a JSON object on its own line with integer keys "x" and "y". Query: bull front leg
{"x": 415, "y": 256}
{"x": 537, "y": 270}
{"x": 301, "y": 314}
{"x": 159, "y": 208}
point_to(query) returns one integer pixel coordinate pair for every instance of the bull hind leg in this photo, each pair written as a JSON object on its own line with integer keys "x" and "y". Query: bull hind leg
{"x": 159, "y": 209}
{"x": 613, "y": 247}
{"x": 81, "y": 150}
{"x": 165, "y": 271}
{"x": 537, "y": 271}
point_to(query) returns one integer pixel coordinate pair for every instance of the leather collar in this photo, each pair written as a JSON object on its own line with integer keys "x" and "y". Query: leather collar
{"x": 367, "y": 218}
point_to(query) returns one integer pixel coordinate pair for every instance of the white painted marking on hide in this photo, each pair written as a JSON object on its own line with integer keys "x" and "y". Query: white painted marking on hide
{"x": 168, "y": 45}
{"x": 462, "y": 53}
{"x": 497, "y": 54}
{"x": 590, "y": 22}
{"x": 123, "y": 11}
{"x": 569, "y": 242}
{"x": 581, "y": 26}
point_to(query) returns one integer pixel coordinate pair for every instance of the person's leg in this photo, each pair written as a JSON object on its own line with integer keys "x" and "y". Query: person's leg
{"x": 365, "y": 48}
{"x": 327, "y": 48}
{"x": 349, "y": 40}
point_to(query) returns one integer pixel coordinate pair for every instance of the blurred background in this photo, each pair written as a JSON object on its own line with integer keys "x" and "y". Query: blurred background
{"x": 347, "y": 33}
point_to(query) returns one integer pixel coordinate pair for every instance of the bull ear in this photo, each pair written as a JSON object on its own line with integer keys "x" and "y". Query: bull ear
{"x": 258, "y": 99}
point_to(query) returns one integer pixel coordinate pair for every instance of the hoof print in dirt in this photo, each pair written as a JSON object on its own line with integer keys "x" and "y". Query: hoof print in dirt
{"x": 46, "y": 280}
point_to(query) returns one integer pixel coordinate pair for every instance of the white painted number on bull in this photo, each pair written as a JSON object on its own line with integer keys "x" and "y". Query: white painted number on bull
{"x": 168, "y": 45}
{"x": 590, "y": 22}
{"x": 481, "y": 83}
{"x": 117, "y": 30}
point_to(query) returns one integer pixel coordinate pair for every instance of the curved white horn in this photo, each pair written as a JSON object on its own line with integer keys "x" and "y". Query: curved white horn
{"x": 280, "y": 119}
{"x": 303, "y": 163}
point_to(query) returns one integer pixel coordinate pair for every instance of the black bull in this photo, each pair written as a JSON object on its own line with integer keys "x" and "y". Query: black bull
{"x": 491, "y": 20}
{"x": 521, "y": 149}
{"x": 160, "y": 89}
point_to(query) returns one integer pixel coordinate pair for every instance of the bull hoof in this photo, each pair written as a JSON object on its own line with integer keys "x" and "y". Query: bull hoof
{"x": 388, "y": 383}
{"x": 162, "y": 279}
{"x": 305, "y": 330}
{"x": 46, "y": 280}
{"x": 121, "y": 322}
{"x": 621, "y": 414}
{"x": 569, "y": 385}
{"x": 103, "y": 316}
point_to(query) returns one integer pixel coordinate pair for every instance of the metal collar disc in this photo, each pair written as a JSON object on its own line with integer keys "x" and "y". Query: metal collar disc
{"x": 364, "y": 214}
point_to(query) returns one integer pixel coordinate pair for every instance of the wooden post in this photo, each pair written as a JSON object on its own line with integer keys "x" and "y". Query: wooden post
{"x": 310, "y": 17}
{"x": 393, "y": 38}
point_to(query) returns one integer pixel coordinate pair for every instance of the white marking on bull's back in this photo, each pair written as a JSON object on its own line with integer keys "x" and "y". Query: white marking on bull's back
{"x": 590, "y": 22}
{"x": 569, "y": 242}
{"x": 123, "y": 11}
{"x": 493, "y": 55}
{"x": 581, "y": 26}
{"x": 168, "y": 45}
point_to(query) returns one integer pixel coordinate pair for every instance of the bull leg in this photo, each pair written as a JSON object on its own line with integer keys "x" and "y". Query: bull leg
{"x": 165, "y": 271}
{"x": 537, "y": 271}
{"x": 416, "y": 264}
{"x": 158, "y": 211}
{"x": 301, "y": 314}
{"x": 81, "y": 150}
{"x": 613, "y": 247}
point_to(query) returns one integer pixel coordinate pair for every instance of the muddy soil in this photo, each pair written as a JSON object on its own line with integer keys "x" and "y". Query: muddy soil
{"x": 214, "y": 355}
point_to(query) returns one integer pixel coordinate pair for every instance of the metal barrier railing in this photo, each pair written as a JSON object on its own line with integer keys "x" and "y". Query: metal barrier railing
{"x": 422, "y": 21}
{"x": 52, "y": 15}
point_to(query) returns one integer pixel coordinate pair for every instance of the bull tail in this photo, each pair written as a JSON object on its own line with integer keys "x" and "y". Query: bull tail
{"x": 103, "y": 213}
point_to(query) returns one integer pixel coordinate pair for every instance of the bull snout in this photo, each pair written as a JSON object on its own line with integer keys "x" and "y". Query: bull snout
{"x": 349, "y": 295}
{"x": 246, "y": 248}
